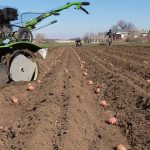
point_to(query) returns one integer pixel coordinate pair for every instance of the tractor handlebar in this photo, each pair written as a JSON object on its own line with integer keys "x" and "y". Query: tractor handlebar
{"x": 31, "y": 24}
{"x": 85, "y": 3}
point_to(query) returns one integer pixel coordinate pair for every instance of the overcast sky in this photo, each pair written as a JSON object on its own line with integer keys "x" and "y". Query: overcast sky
{"x": 74, "y": 23}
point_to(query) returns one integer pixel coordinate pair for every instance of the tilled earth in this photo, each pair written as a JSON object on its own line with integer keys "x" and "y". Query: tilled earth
{"x": 63, "y": 112}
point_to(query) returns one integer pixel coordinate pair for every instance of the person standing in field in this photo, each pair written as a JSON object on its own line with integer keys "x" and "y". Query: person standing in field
{"x": 110, "y": 37}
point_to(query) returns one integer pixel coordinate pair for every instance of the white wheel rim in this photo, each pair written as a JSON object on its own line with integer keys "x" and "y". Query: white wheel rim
{"x": 23, "y": 68}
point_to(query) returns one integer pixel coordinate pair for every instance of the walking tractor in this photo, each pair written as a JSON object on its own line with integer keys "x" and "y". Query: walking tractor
{"x": 17, "y": 52}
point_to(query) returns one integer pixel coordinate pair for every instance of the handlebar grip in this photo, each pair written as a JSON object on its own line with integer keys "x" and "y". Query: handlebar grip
{"x": 53, "y": 21}
{"x": 85, "y": 3}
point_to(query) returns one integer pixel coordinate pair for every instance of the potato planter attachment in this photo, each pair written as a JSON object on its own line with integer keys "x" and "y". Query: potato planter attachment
{"x": 19, "y": 62}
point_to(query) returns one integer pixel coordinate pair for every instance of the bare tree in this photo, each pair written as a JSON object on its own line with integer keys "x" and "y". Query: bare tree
{"x": 149, "y": 34}
{"x": 86, "y": 38}
{"x": 123, "y": 26}
{"x": 130, "y": 26}
{"x": 114, "y": 28}
{"x": 40, "y": 37}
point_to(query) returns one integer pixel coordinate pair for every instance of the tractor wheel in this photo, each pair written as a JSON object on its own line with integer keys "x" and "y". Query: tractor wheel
{"x": 24, "y": 34}
{"x": 23, "y": 66}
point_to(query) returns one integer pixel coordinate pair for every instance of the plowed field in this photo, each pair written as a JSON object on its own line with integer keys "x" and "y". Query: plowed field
{"x": 63, "y": 112}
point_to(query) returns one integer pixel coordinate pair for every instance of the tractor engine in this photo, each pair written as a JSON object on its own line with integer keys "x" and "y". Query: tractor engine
{"x": 6, "y": 16}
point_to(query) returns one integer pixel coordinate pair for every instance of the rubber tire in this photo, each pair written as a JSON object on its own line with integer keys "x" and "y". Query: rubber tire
{"x": 22, "y": 31}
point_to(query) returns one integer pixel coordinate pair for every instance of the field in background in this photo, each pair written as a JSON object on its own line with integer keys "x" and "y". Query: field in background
{"x": 64, "y": 112}
{"x": 54, "y": 44}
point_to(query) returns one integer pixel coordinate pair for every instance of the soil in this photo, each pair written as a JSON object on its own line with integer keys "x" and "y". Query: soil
{"x": 3, "y": 75}
{"x": 64, "y": 113}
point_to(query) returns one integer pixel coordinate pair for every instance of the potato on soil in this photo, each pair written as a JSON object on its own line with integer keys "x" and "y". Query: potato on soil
{"x": 30, "y": 88}
{"x": 120, "y": 147}
{"x": 15, "y": 100}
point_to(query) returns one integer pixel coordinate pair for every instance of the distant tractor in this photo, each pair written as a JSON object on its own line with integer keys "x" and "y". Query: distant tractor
{"x": 78, "y": 42}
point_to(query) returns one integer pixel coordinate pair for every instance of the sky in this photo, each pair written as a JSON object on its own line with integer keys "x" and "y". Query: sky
{"x": 75, "y": 23}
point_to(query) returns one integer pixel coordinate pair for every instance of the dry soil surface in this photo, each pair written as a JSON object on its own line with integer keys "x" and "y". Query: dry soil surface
{"x": 63, "y": 112}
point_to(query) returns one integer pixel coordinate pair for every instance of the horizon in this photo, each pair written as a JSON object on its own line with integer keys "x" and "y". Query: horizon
{"x": 74, "y": 23}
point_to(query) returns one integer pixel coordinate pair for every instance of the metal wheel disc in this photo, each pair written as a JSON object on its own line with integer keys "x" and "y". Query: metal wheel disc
{"x": 23, "y": 67}
{"x": 24, "y": 34}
